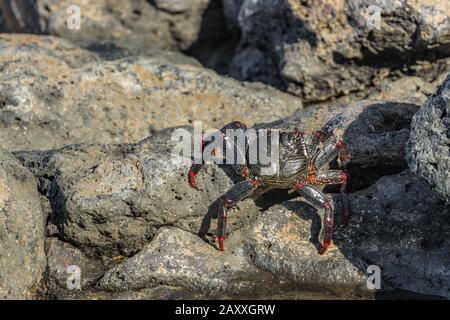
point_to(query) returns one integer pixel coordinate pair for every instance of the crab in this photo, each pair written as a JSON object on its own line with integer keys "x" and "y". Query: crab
{"x": 303, "y": 166}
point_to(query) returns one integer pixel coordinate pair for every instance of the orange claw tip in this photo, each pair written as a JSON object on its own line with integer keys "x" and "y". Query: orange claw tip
{"x": 324, "y": 247}
{"x": 191, "y": 179}
{"x": 340, "y": 144}
{"x": 221, "y": 241}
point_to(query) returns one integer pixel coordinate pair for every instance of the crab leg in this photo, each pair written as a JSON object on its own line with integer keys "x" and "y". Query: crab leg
{"x": 195, "y": 168}
{"x": 344, "y": 198}
{"x": 316, "y": 138}
{"x": 331, "y": 149}
{"x": 316, "y": 198}
{"x": 237, "y": 193}
{"x": 334, "y": 177}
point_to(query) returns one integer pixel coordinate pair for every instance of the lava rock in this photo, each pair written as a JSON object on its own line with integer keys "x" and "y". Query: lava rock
{"x": 110, "y": 200}
{"x": 428, "y": 151}
{"x": 22, "y": 231}
{"x": 323, "y": 49}
{"x": 401, "y": 225}
{"x": 177, "y": 257}
{"x": 281, "y": 241}
{"x": 160, "y": 24}
{"x": 63, "y": 261}
{"x": 54, "y": 94}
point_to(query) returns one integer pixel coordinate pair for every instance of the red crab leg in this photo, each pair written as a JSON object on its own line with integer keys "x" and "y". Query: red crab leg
{"x": 334, "y": 177}
{"x": 344, "y": 198}
{"x": 237, "y": 193}
{"x": 316, "y": 198}
{"x": 195, "y": 168}
{"x": 331, "y": 149}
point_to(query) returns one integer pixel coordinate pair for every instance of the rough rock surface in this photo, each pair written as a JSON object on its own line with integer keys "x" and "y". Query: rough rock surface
{"x": 54, "y": 94}
{"x": 61, "y": 257}
{"x": 176, "y": 257}
{"x": 429, "y": 144}
{"x": 321, "y": 49}
{"x": 281, "y": 241}
{"x": 22, "y": 235}
{"x": 402, "y": 226}
{"x": 160, "y": 23}
{"x": 110, "y": 200}
{"x": 132, "y": 202}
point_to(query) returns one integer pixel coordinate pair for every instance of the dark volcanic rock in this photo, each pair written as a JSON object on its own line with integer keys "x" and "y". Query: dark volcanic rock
{"x": 429, "y": 144}
{"x": 22, "y": 231}
{"x": 402, "y": 226}
{"x": 322, "y": 49}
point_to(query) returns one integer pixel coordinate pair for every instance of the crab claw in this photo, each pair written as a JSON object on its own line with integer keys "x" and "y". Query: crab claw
{"x": 191, "y": 179}
{"x": 325, "y": 246}
{"x": 221, "y": 240}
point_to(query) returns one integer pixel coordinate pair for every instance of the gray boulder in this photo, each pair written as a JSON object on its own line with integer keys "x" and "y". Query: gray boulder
{"x": 159, "y": 24}
{"x": 22, "y": 231}
{"x": 428, "y": 151}
{"x": 179, "y": 258}
{"x": 281, "y": 241}
{"x": 63, "y": 263}
{"x": 323, "y": 49}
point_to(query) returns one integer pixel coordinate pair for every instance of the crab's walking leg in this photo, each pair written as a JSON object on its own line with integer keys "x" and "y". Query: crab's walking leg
{"x": 344, "y": 198}
{"x": 237, "y": 193}
{"x": 332, "y": 148}
{"x": 196, "y": 167}
{"x": 316, "y": 138}
{"x": 320, "y": 201}
{"x": 334, "y": 177}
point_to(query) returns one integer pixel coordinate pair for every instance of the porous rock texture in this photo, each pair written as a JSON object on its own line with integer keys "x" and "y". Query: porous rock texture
{"x": 130, "y": 24}
{"x": 22, "y": 231}
{"x": 111, "y": 199}
{"x": 53, "y": 93}
{"x": 401, "y": 225}
{"x": 429, "y": 143}
{"x": 322, "y": 49}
